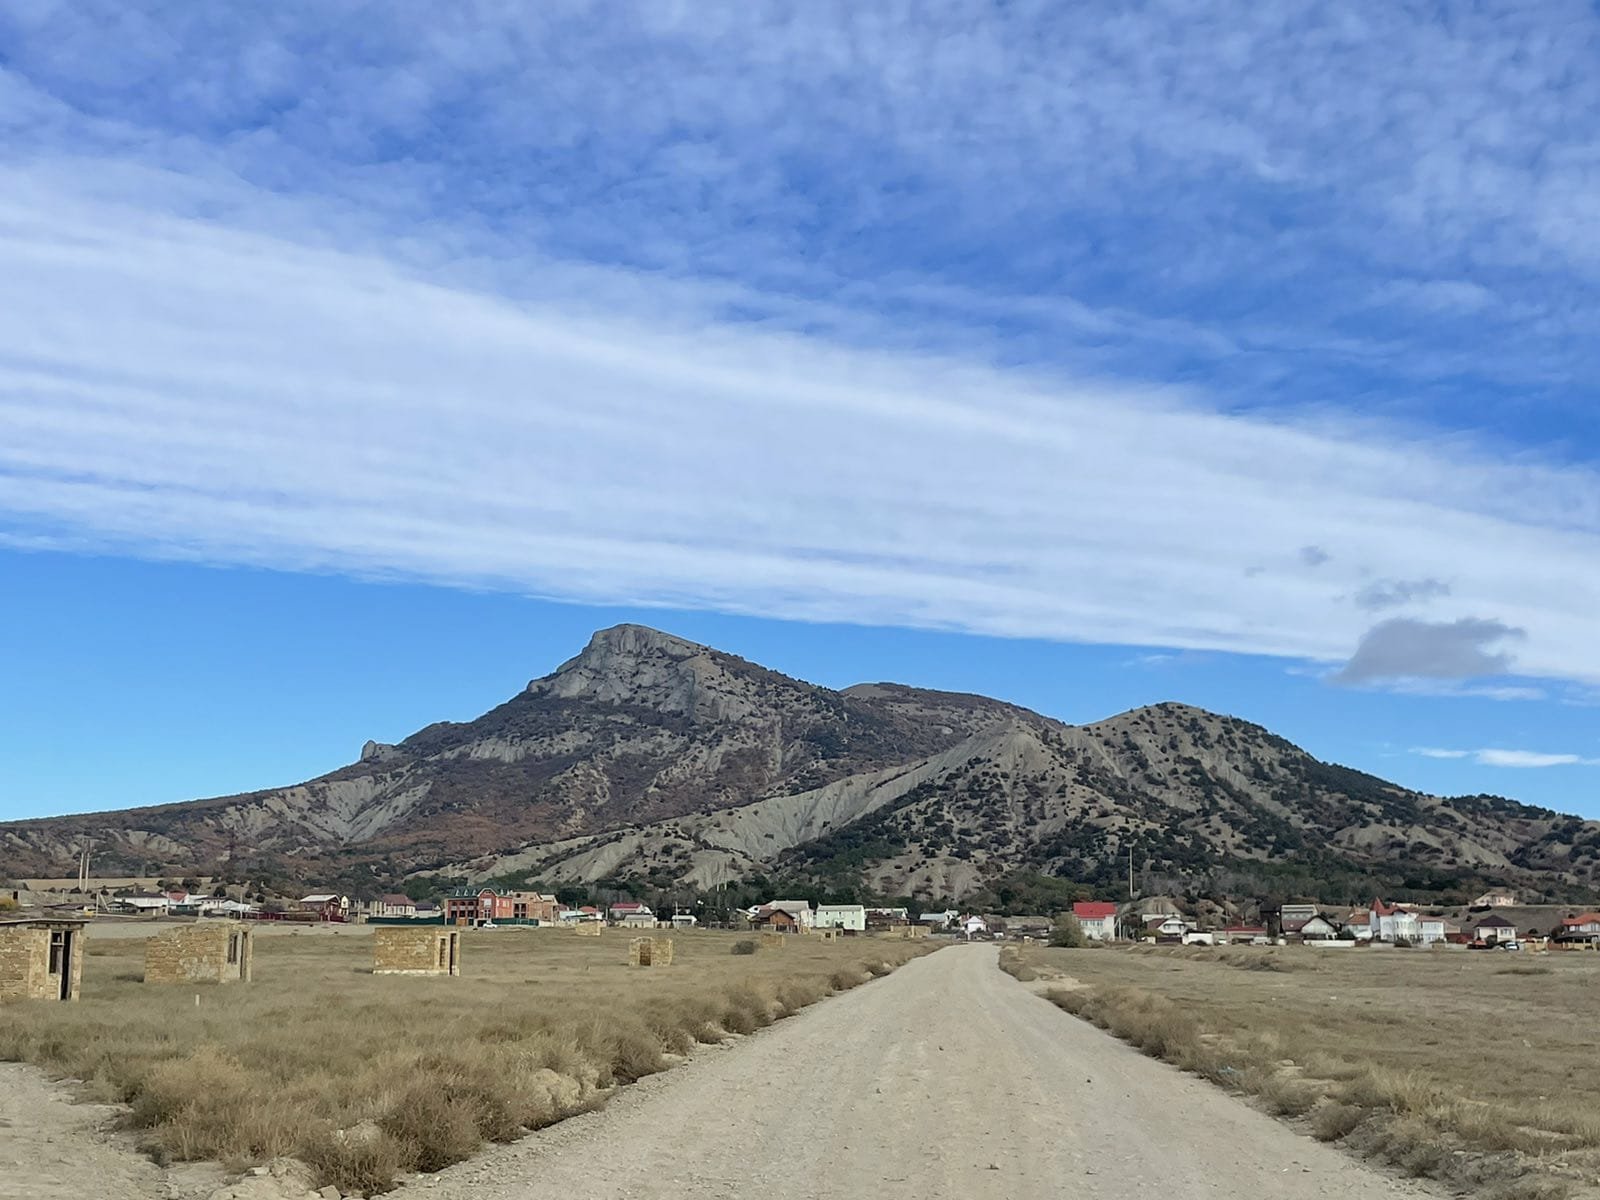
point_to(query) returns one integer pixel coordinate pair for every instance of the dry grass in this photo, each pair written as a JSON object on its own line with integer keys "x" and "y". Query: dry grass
{"x": 1408, "y": 1055}
{"x": 364, "y": 1076}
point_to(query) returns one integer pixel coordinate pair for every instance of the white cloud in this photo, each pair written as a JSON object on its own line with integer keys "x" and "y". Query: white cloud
{"x": 174, "y": 387}
{"x": 1526, "y": 759}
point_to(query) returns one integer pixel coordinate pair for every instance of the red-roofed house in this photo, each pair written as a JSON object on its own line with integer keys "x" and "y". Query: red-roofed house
{"x": 1584, "y": 925}
{"x": 1098, "y": 919}
{"x": 1391, "y": 922}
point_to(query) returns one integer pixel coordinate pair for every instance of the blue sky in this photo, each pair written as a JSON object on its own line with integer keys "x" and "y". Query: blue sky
{"x": 359, "y": 359}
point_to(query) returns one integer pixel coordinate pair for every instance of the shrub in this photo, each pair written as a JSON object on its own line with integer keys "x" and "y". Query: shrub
{"x": 1068, "y": 933}
{"x": 745, "y": 946}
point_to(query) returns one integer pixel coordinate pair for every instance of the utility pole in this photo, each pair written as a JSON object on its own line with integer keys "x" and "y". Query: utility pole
{"x": 1130, "y": 871}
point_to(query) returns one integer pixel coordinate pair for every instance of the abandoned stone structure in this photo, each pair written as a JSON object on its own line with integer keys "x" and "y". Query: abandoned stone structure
{"x": 587, "y": 928}
{"x": 773, "y": 941}
{"x": 41, "y": 959}
{"x": 431, "y": 950}
{"x": 207, "y": 952}
{"x": 650, "y": 952}
{"x": 825, "y": 935}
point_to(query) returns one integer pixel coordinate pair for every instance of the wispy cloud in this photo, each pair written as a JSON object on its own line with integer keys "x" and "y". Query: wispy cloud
{"x": 848, "y": 313}
{"x": 1526, "y": 759}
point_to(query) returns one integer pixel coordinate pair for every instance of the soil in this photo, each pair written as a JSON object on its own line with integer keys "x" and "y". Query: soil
{"x": 945, "y": 1079}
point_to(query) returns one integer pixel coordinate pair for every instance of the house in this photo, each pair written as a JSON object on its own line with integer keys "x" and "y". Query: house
{"x": 476, "y": 906}
{"x": 684, "y": 920}
{"x": 887, "y": 918}
{"x": 1098, "y": 919}
{"x": 144, "y": 903}
{"x": 1584, "y": 927}
{"x": 325, "y": 906}
{"x": 208, "y": 952}
{"x": 783, "y": 916}
{"x": 1496, "y": 899}
{"x": 1357, "y": 923}
{"x": 1292, "y": 918}
{"x": 394, "y": 904}
{"x": 973, "y": 925}
{"x": 631, "y": 914}
{"x": 41, "y": 959}
{"x": 1392, "y": 923}
{"x": 427, "y": 910}
{"x": 939, "y": 920}
{"x": 533, "y": 906}
{"x": 841, "y": 916}
{"x": 1318, "y": 929}
{"x": 1494, "y": 929}
{"x": 1434, "y": 929}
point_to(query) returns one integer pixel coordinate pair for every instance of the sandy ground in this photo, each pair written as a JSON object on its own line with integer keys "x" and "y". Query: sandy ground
{"x": 944, "y": 1079}
{"x": 53, "y": 1149}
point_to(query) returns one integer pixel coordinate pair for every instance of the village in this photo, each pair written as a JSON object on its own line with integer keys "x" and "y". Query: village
{"x": 40, "y": 933}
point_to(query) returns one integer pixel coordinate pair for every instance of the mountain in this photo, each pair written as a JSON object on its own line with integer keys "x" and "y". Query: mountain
{"x": 653, "y": 759}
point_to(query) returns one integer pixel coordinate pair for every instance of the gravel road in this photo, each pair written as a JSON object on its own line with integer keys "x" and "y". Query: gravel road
{"x": 944, "y": 1079}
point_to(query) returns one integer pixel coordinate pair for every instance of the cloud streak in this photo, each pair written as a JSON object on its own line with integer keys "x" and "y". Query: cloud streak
{"x": 1519, "y": 759}
{"x": 174, "y": 388}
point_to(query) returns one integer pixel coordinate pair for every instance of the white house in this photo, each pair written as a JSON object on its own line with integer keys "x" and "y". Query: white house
{"x": 684, "y": 920}
{"x": 1318, "y": 929}
{"x": 1433, "y": 929}
{"x": 938, "y": 919}
{"x": 841, "y": 916}
{"x": 974, "y": 924}
{"x": 1495, "y": 929}
{"x": 1097, "y": 919}
{"x": 1496, "y": 899}
{"x": 1391, "y": 922}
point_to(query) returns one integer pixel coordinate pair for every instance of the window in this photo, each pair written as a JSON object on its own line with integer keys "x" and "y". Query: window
{"x": 58, "y": 951}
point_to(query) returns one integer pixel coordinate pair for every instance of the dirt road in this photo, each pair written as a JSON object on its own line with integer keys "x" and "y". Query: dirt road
{"x": 945, "y": 1079}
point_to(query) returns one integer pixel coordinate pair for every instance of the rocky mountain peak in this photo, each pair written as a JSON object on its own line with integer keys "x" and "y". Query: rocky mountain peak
{"x": 634, "y": 664}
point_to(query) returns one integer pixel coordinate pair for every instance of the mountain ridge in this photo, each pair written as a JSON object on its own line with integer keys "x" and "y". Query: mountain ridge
{"x": 649, "y": 757}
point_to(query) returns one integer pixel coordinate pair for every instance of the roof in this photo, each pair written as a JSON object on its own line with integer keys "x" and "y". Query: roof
{"x": 1386, "y": 910}
{"x": 1093, "y": 910}
{"x": 628, "y": 906}
{"x": 1582, "y": 919}
{"x": 319, "y": 898}
{"x": 861, "y": 908}
{"x": 1494, "y": 922}
{"x": 394, "y": 898}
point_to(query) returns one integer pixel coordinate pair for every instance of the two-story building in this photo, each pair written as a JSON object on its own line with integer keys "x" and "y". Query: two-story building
{"x": 1097, "y": 919}
{"x": 852, "y": 917}
{"x": 1392, "y": 923}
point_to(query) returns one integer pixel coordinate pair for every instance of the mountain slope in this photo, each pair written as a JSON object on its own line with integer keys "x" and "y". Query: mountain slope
{"x": 640, "y": 726}
{"x": 651, "y": 758}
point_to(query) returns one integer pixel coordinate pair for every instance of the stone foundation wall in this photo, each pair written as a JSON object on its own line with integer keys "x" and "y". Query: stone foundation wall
{"x": 199, "y": 954}
{"x": 432, "y": 951}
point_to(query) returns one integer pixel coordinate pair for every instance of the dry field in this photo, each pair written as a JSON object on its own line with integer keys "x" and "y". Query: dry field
{"x": 366, "y": 1076}
{"x": 1478, "y": 1068}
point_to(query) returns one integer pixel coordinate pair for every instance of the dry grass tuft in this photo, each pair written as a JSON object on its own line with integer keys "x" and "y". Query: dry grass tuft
{"x": 1336, "y": 1040}
{"x": 364, "y": 1076}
